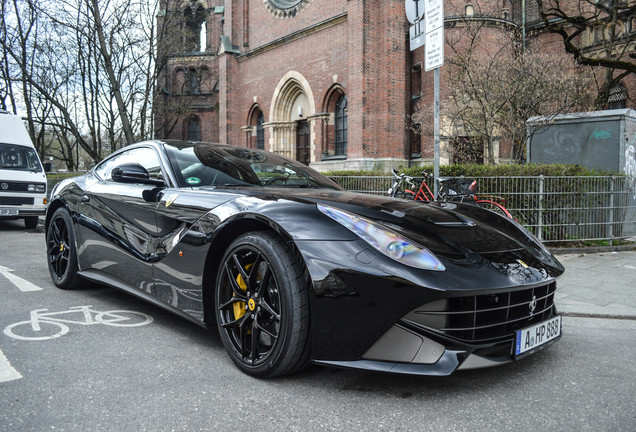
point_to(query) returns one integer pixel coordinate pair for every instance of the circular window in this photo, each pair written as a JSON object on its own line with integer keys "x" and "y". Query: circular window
{"x": 285, "y": 8}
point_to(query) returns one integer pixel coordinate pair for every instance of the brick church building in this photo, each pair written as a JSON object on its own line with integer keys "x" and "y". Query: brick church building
{"x": 331, "y": 83}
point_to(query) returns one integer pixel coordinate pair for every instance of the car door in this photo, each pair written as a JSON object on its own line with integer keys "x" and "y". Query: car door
{"x": 118, "y": 226}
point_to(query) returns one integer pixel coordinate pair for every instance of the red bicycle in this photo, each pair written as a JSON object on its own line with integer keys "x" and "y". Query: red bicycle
{"x": 451, "y": 189}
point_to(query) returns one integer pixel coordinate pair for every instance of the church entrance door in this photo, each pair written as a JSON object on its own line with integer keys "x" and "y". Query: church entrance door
{"x": 303, "y": 144}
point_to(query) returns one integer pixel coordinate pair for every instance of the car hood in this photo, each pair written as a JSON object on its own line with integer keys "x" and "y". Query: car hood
{"x": 451, "y": 230}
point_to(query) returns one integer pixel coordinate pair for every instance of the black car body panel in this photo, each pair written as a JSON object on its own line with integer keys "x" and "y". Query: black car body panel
{"x": 164, "y": 242}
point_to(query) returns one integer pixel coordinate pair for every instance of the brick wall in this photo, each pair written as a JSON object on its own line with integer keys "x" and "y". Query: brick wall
{"x": 359, "y": 47}
{"x": 347, "y": 54}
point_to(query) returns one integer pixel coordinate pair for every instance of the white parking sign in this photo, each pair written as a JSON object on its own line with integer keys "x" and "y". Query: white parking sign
{"x": 434, "y": 14}
{"x": 434, "y": 49}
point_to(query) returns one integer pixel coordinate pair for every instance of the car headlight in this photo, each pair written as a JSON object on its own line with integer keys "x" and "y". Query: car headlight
{"x": 386, "y": 241}
{"x": 40, "y": 188}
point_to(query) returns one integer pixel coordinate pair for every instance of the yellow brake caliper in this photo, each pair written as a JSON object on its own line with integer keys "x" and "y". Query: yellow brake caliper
{"x": 239, "y": 307}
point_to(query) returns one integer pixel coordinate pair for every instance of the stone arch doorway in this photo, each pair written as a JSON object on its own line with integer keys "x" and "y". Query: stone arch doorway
{"x": 291, "y": 124}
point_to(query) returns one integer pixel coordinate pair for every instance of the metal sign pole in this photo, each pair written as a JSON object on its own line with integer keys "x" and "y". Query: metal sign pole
{"x": 436, "y": 131}
{"x": 434, "y": 59}
{"x": 433, "y": 14}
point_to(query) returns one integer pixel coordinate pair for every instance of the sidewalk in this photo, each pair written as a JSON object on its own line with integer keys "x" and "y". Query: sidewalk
{"x": 598, "y": 284}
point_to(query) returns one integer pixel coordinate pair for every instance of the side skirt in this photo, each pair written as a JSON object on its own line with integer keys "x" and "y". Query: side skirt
{"x": 101, "y": 278}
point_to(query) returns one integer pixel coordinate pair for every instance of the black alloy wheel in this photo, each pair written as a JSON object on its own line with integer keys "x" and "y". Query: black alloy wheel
{"x": 262, "y": 306}
{"x": 60, "y": 251}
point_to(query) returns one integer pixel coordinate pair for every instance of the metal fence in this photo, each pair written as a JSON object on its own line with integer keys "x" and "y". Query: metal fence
{"x": 555, "y": 209}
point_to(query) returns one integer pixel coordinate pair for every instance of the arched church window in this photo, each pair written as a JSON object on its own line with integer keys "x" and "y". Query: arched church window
{"x": 194, "y": 129}
{"x": 341, "y": 126}
{"x": 617, "y": 97}
{"x": 260, "y": 132}
{"x": 194, "y": 86}
{"x": 194, "y": 22}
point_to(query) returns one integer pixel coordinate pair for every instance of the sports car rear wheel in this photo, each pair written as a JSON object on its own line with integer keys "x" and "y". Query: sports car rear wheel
{"x": 60, "y": 251}
{"x": 262, "y": 305}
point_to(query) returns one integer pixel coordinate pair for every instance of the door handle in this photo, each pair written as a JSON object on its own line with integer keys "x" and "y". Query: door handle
{"x": 85, "y": 199}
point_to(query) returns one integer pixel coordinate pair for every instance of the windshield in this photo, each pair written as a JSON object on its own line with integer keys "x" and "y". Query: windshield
{"x": 223, "y": 166}
{"x": 19, "y": 158}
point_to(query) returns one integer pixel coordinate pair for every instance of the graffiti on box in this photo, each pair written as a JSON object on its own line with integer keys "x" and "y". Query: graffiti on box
{"x": 601, "y": 134}
{"x": 630, "y": 167}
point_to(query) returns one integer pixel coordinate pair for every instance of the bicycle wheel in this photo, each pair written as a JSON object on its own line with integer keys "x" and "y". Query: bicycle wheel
{"x": 495, "y": 207}
{"x": 123, "y": 318}
{"x": 407, "y": 195}
{"x": 24, "y": 330}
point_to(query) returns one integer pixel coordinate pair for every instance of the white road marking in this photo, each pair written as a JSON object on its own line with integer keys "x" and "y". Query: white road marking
{"x": 23, "y": 285}
{"x": 43, "y": 326}
{"x": 7, "y": 372}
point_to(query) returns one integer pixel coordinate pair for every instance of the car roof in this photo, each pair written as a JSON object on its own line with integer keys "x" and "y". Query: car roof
{"x": 13, "y": 130}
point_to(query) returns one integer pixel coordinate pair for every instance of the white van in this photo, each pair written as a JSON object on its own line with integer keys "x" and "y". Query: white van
{"x": 22, "y": 178}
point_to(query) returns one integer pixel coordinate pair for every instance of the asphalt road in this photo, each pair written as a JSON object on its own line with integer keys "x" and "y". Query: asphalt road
{"x": 168, "y": 374}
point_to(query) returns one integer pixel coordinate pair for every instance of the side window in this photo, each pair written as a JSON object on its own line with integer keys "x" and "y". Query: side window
{"x": 144, "y": 156}
{"x": 149, "y": 160}
{"x": 105, "y": 167}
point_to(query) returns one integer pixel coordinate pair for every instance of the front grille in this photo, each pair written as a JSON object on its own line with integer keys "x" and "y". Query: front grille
{"x": 16, "y": 201}
{"x": 487, "y": 317}
{"x": 12, "y": 186}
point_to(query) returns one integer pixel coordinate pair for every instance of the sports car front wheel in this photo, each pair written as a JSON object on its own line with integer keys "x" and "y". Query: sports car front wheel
{"x": 262, "y": 305}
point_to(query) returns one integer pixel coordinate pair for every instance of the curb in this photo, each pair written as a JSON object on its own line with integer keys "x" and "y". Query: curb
{"x": 592, "y": 249}
{"x": 598, "y": 316}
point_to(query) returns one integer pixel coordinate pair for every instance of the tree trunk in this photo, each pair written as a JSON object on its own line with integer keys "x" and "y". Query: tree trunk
{"x": 108, "y": 64}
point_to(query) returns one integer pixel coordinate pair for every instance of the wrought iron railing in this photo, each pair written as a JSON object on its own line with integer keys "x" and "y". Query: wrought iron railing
{"x": 554, "y": 208}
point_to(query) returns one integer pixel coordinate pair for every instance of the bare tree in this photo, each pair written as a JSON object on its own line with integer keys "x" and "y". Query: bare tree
{"x": 7, "y": 70}
{"x": 540, "y": 84}
{"x": 475, "y": 103}
{"x": 19, "y": 31}
{"x": 596, "y": 33}
{"x": 494, "y": 88}
{"x": 95, "y": 76}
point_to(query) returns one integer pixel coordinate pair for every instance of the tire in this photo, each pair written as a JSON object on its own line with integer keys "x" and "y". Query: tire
{"x": 262, "y": 305}
{"x": 31, "y": 222}
{"x": 495, "y": 207}
{"x": 60, "y": 251}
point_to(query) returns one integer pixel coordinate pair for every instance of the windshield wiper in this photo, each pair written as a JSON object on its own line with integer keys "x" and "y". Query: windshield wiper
{"x": 295, "y": 186}
{"x": 226, "y": 185}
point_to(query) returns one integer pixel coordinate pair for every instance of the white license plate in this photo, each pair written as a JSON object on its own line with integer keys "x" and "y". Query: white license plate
{"x": 537, "y": 335}
{"x": 8, "y": 212}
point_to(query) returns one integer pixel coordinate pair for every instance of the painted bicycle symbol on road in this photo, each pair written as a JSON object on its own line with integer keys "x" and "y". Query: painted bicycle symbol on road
{"x": 50, "y": 325}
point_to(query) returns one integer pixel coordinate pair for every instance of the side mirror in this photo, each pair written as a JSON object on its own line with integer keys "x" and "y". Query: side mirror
{"x": 47, "y": 166}
{"x": 133, "y": 173}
